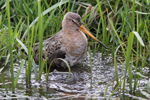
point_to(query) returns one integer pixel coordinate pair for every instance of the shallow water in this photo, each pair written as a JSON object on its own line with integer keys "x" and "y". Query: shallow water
{"x": 78, "y": 85}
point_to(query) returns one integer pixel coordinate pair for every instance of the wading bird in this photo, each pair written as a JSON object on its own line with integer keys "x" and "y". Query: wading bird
{"x": 70, "y": 43}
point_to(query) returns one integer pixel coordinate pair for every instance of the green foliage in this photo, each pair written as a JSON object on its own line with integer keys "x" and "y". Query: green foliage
{"x": 40, "y": 34}
{"x": 10, "y": 45}
{"x": 18, "y": 73}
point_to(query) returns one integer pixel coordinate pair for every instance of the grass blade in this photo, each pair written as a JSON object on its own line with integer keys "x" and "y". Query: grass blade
{"x": 106, "y": 90}
{"x": 1, "y": 69}
{"x": 67, "y": 66}
{"x": 33, "y": 62}
{"x": 41, "y": 69}
{"x": 139, "y": 38}
{"x": 127, "y": 59}
{"x": 18, "y": 73}
{"x": 10, "y": 45}
{"x": 44, "y": 13}
{"x": 4, "y": 84}
{"x": 40, "y": 33}
{"x": 103, "y": 23}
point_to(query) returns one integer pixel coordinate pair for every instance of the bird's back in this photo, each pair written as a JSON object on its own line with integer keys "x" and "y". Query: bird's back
{"x": 52, "y": 44}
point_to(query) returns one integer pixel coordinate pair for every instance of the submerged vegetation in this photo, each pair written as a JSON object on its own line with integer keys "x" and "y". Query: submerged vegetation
{"x": 124, "y": 26}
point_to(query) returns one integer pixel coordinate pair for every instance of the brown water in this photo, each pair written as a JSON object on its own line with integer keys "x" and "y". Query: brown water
{"x": 78, "y": 85}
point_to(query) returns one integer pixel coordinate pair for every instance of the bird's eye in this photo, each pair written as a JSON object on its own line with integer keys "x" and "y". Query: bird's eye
{"x": 73, "y": 20}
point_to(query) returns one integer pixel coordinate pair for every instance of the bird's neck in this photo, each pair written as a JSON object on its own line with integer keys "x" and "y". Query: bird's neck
{"x": 71, "y": 31}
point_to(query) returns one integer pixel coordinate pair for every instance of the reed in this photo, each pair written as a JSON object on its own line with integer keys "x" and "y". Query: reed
{"x": 3, "y": 80}
{"x": 2, "y": 42}
{"x": 106, "y": 90}
{"x": 4, "y": 84}
{"x": 137, "y": 56}
{"x": 128, "y": 67}
{"x": 47, "y": 71}
{"x": 10, "y": 45}
{"x": 18, "y": 73}
{"x": 40, "y": 33}
{"x": 115, "y": 65}
{"x": 127, "y": 55}
{"x": 115, "y": 89}
{"x": 11, "y": 37}
{"x": 103, "y": 24}
{"x": 30, "y": 54}
{"x": 43, "y": 14}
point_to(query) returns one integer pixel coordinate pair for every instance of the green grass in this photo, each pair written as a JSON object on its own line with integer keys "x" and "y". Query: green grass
{"x": 122, "y": 25}
{"x": 40, "y": 34}
{"x": 10, "y": 45}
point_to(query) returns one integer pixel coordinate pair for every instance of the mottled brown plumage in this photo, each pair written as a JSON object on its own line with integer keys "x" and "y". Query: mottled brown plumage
{"x": 70, "y": 43}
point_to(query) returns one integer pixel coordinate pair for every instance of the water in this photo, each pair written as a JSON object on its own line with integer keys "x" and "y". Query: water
{"x": 78, "y": 85}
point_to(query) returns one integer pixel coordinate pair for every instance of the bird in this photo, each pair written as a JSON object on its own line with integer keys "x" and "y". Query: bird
{"x": 70, "y": 43}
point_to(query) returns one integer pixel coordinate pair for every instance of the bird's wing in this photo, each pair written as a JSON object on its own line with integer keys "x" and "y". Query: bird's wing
{"x": 52, "y": 45}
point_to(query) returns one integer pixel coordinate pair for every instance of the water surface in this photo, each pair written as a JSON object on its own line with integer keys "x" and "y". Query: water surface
{"x": 78, "y": 85}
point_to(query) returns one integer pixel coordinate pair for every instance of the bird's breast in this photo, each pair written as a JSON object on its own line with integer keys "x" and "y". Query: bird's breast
{"x": 75, "y": 45}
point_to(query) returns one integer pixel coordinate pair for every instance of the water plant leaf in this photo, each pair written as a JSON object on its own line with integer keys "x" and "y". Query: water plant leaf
{"x": 63, "y": 61}
{"x": 67, "y": 66}
{"x": 41, "y": 68}
{"x": 1, "y": 69}
{"x": 40, "y": 33}
{"x": 0, "y": 17}
{"x": 116, "y": 69}
{"x": 18, "y": 73}
{"x": 85, "y": 17}
{"x": 4, "y": 84}
{"x": 115, "y": 90}
{"x": 120, "y": 42}
{"x": 138, "y": 73}
{"x": 128, "y": 54}
{"x": 49, "y": 18}
{"x": 103, "y": 23}
{"x": 106, "y": 90}
{"x": 10, "y": 33}
{"x": 23, "y": 46}
{"x": 44, "y": 13}
{"x": 4, "y": 6}
{"x": 137, "y": 2}
{"x": 142, "y": 13}
{"x": 2, "y": 37}
{"x": 33, "y": 62}
{"x": 16, "y": 28}
{"x": 138, "y": 37}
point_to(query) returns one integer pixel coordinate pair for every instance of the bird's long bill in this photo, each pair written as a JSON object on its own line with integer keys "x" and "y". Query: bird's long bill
{"x": 83, "y": 29}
